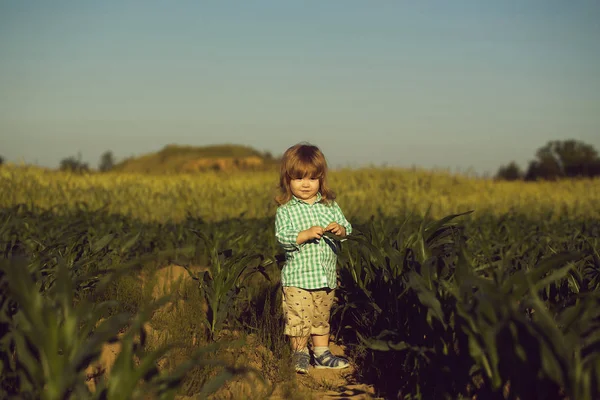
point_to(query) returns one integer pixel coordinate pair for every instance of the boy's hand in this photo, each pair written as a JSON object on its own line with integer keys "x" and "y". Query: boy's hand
{"x": 311, "y": 233}
{"x": 336, "y": 229}
{"x": 315, "y": 232}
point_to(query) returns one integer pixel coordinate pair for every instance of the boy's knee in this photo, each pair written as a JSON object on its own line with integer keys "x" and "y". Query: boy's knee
{"x": 307, "y": 312}
{"x": 298, "y": 312}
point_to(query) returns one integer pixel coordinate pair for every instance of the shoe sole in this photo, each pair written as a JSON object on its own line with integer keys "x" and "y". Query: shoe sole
{"x": 326, "y": 367}
{"x": 301, "y": 371}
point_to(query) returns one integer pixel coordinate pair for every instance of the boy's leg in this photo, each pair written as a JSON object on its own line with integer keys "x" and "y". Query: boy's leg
{"x": 323, "y": 300}
{"x": 320, "y": 340}
{"x": 299, "y": 343}
{"x": 298, "y": 314}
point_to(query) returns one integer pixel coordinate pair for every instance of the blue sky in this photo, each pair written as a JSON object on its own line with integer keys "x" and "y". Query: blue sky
{"x": 450, "y": 84}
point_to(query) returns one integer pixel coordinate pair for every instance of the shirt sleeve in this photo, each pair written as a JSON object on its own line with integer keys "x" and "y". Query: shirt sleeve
{"x": 341, "y": 219}
{"x": 284, "y": 231}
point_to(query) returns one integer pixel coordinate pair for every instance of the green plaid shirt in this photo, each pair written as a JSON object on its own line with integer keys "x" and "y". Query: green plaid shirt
{"x": 312, "y": 264}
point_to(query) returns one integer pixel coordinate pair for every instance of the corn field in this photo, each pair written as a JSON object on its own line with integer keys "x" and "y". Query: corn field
{"x": 451, "y": 287}
{"x": 362, "y": 193}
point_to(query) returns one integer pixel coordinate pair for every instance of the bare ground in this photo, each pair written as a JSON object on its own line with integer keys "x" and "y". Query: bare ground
{"x": 317, "y": 384}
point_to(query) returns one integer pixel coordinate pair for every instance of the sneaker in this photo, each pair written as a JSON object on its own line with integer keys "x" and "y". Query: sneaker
{"x": 301, "y": 362}
{"x": 328, "y": 360}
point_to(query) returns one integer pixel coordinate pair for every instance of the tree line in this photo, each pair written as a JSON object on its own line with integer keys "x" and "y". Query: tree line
{"x": 558, "y": 159}
{"x": 75, "y": 164}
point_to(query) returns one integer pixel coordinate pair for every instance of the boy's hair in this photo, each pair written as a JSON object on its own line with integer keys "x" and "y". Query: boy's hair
{"x": 299, "y": 161}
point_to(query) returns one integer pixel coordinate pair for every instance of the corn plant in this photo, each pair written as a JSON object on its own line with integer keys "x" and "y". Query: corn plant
{"x": 452, "y": 328}
{"x": 381, "y": 299}
{"x": 50, "y": 342}
{"x": 516, "y": 339}
{"x": 222, "y": 282}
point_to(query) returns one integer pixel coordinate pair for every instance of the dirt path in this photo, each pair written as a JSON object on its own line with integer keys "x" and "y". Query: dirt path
{"x": 334, "y": 384}
{"x": 317, "y": 384}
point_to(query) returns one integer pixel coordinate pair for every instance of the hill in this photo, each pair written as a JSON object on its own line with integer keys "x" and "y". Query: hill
{"x": 188, "y": 159}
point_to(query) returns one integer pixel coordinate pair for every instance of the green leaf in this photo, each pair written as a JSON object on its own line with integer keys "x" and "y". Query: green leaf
{"x": 432, "y": 228}
{"x": 130, "y": 242}
{"x": 102, "y": 243}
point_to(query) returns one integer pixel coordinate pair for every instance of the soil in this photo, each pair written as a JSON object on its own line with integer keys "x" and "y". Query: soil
{"x": 334, "y": 384}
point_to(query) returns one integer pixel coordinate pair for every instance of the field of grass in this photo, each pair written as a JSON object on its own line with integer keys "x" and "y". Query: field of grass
{"x": 499, "y": 301}
{"x": 361, "y": 194}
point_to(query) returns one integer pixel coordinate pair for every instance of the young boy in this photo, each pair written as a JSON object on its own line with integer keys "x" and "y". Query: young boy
{"x": 306, "y": 210}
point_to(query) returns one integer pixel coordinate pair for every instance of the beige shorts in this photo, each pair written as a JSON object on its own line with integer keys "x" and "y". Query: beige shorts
{"x": 306, "y": 312}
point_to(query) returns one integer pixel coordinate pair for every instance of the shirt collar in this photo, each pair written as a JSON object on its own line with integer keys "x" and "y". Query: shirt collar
{"x": 296, "y": 200}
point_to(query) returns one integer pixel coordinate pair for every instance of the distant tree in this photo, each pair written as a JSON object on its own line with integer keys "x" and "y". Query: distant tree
{"x": 594, "y": 168}
{"x": 564, "y": 159}
{"x": 74, "y": 165}
{"x": 107, "y": 161}
{"x": 544, "y": 169}
{"x": 510, "y": 172}
{"x": 1, "y": 160}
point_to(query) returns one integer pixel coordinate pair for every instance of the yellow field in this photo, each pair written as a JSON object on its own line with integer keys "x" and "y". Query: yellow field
{"x": 361, "y": 193}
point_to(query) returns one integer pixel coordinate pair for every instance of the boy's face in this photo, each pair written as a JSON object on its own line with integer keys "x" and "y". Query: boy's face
{"x": 305, "y": 188}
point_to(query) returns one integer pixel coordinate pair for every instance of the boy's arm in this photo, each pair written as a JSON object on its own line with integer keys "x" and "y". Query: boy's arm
{"x": 341, "y": 219}
{"x": 285, "y": 233}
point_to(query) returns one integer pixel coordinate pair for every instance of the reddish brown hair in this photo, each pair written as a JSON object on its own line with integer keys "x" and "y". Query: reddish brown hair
{"x": 299, "y": 161}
